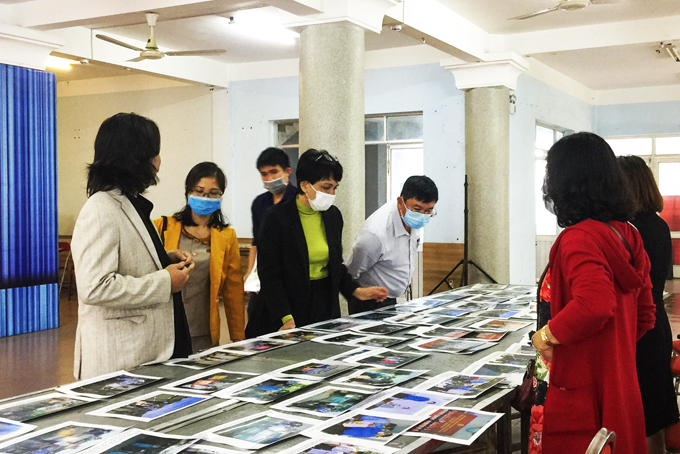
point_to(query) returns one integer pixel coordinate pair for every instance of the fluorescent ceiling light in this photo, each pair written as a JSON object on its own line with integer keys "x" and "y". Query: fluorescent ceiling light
{"x": 60, "y": 63}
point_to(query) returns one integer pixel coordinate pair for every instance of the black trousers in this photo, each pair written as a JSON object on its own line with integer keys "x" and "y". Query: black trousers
{"x": 321, "y": 308}
{"x": 356, "y": 306}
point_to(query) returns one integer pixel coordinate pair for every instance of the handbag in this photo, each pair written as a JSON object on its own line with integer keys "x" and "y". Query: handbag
{"x": 524, "y": 399}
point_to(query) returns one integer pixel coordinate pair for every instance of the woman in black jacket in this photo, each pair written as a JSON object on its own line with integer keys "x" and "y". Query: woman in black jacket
{"x": 654, "y": 348}
{"x": 300, "y": 254}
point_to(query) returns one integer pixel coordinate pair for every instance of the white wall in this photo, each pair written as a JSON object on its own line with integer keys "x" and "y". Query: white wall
{"x": 184, "y": 116}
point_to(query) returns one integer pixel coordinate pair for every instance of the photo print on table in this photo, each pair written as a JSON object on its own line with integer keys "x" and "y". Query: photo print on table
{"x": 438, "y": 344}
{"x": 449, "y": 311}
{"x": 500, "y": 325}
{"x": 294, "y": 335}
{"x": 379, "y": 377}
{"x": 350, "y": 354}
{"x": 336, "y": 447}
{"x": 408, "y": 402}
{"x": 209, "y": 449}
{"x": 149, "y": 406}
{"x": 455, "y": 425}
{"x": 359, "y": 426}
{"x": 204, "y": 360}
{"x": 378, "y": 341}
{"x": 108, "y": 385}
{"x": 314, "y": 369}
{"x": 37, "y": 407}
{"x": 64, "y": 438}
{"x": 9, "y": 428}
{"x": 136, "y": 441}
{"x": 385, "y": 358}
{"x": 327, "y": 402}
{"x": 379, "y": 328}
{"x": 496, "y": 313}
{"x": 339, "y": 338}
{"x": 515, "y": 359}
{"x": 209, "y": 382}
{"x": 258, "y": 431}
{"x": 460, "y": 385}
{"x": 339, "y": 324}
{"x": 253, "y": 346}
{"x": 264, "y": 389}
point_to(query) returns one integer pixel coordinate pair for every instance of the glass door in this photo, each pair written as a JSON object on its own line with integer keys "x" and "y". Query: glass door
{"x": 669, "y": 184}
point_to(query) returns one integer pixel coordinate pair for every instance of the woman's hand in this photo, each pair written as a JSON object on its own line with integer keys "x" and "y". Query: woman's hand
{"x": 544, "y": 342}
{"x": 290, "y": 324}
{"x": 370, "y": 293}
{"x": 178, "y": 255}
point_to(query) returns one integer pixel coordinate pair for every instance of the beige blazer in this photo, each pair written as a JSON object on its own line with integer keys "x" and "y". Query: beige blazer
{"x": 125, "y": 309}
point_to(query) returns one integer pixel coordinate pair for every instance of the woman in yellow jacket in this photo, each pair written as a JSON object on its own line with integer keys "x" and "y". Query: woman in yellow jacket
{"x": 200, "y": 229}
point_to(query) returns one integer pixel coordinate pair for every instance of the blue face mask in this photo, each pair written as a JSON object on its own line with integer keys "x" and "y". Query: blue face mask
{"x": 204, "y": 206}
{"x": 416, "y": 220}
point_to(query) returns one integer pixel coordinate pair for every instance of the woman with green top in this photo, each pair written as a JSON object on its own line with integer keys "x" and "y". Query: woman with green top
{"x": 300, "y": 254}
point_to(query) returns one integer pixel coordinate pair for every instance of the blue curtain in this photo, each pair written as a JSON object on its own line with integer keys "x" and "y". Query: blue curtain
{"x": 29, "y": 266}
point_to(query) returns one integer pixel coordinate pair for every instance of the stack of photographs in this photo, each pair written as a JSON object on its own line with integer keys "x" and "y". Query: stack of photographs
{"x": 410, "y": 403}
{"x": 460, "y": 385}
{"x": 9, "y": 428}
{"x": 204, "y": 360}
{"x": 264, "y": 389}
{"x": 68, "y": 437}
{"x": 361, "y": 426}
{"x": 379, "y": 378}
{"x": 136, "y": 441}
{"x": 149, "y": 406}
{"x": 258, "y": 431}
{"x": 455, "y": 425}
{"x": 314, "y": 369}
{"x": 108, "y": 385}
{"x": 37, "y": 407}
{"x": 208, "y": 382}
{"x": 384, "y": 358}
{"x": 336, "y": 447}
{"x": 327, "y": 402}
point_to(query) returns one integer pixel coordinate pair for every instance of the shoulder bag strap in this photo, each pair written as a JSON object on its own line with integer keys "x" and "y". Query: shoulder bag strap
{"x": 164, "y": 228}
{"x": 625, "y": 243}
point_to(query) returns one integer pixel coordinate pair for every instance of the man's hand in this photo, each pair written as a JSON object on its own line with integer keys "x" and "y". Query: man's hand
{"x": 179, "y": 275}
{"x": 370, "y": 293}
{"x": 178, "y": 255}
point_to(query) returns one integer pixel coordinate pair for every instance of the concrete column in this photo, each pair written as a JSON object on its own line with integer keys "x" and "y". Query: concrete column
{"x": 332, "y": 110}
{"x": 487, "y": 150}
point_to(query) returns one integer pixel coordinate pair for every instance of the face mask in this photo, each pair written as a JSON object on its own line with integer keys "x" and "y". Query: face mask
{"x": 275, "y": 186}
{"x": 322, "y": 202}
{"x": 416, "y": 220}
{"x": 547, "y": 201}
{"x": 204, "y": 206}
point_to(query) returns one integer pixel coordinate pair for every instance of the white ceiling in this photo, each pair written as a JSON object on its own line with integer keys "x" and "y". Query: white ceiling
{"x": 610, "y": 44}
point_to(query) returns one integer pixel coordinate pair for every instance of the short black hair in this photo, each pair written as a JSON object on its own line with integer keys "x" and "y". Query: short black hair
{"x": 585, "y": 182}
{"x": 421, "y": 188}
{"x": 202, "y": 170}
{"x": 273, "y": 157}
{"x": 315, "y": 165}
{"x": 125, "y": 145}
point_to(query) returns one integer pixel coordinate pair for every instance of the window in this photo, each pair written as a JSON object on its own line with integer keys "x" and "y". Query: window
{"x": 546, "y": 222}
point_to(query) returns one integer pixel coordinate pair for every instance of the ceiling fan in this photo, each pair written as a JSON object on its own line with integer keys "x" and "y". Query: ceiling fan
{"x": 151, "y": 52}
{"x": 563, "y": 5}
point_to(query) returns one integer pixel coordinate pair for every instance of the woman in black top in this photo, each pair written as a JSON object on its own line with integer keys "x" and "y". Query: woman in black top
{"x": 654, "y": 348}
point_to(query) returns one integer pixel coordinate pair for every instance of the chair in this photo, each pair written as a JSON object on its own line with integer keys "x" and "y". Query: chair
{"x": 65, "y": 247}
{"x": 604, "y": 442}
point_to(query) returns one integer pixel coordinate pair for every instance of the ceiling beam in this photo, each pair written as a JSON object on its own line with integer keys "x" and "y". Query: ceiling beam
{"x": 589, "y": 36}
{"x": 298, "y": 7}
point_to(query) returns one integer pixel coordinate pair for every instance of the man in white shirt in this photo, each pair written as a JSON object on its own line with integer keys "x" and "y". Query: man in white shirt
{"x": 386, "y": 249}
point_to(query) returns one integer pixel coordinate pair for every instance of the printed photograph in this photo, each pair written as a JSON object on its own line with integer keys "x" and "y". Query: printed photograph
{"x": 441, "y": 331}
{"x": 380, "y": 328}
{"x": 296, "y": 335}
{"x": 209, "y": 382}
{"x": 9, "y": 429}
{"x": 340, "y": 324}
{"x": 348, "y": 355}
{"x": 461, "y": 385}
{"x": 409, "y": 403}
{"x": 326, "y": 402}
{"x": 368, "y": 428}
{"x": 145, "y": 442}
{"x": 497, "y": 313}
{"x": 268, "y": 390}
{"x": 109, "y": 385}
{"x": 37, "y": 407}
{"x": 315, "y": 369}
{"x": 150, "y": 406}
{"x": 515, "y": 359}
{"x": 387, "y": 358}
{"x": 445, "y": 345}
{"x": 254, "y": 346}
{"x": 500, "y": 325}
{"x": 339, "y": 338}
{"x": 258, "y": 431}
{"x": 457, "y": 425}
{"x": 450, "y": 312}
{"x": 485, "y": 336}
{"x": 496, "y": 370}
{"x": 336, "y": 447}
{"x": 207, "y": 449}
{"x": 379, "y": 377}
{"x": 66, "y": 438}
{"x": 378, "y": 341}
{"x": 199, "y": 362}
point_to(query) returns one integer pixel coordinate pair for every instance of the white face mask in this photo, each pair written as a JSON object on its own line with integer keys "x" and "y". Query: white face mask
{"x": 322, "y": 202}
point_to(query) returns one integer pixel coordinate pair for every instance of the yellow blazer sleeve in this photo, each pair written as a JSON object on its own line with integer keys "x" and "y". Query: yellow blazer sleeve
{"x": 232, "y": 290}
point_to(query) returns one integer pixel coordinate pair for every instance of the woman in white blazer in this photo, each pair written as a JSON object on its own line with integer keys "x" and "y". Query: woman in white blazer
{"x": 128, "y": 287}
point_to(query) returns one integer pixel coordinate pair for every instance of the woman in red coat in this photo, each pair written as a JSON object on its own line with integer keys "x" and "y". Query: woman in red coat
{"x": 601, "y": 302}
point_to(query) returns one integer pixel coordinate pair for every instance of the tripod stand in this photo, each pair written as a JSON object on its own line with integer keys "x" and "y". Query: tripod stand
{"x": 466, "y": 262}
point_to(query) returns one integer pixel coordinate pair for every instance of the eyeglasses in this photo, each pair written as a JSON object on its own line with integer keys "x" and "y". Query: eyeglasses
{"x": 429, "y": 213}
{"x": 208, "y": 195}
{"x": 327, "y": 156}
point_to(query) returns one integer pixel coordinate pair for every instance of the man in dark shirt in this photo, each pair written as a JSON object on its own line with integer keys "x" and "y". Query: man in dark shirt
{"x": 274, "y": 167}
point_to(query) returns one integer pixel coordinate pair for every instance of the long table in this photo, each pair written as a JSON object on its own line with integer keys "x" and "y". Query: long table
{"x": 201, "y": 416}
